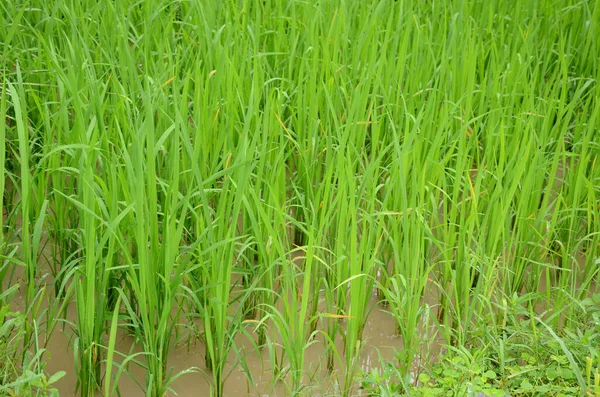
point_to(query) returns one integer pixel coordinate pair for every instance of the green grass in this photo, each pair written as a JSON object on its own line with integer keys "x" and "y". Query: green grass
{"x": 185, "y": 170}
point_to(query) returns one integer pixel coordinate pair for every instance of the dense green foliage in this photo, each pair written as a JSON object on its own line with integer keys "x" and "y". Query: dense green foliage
{"x": 209, "y": 169}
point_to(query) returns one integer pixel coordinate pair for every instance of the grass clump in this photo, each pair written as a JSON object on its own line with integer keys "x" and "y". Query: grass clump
{"x": 527, "y": 358}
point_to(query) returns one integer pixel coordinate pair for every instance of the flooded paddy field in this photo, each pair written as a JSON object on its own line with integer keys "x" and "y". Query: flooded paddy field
{"x": 291, "y": 198}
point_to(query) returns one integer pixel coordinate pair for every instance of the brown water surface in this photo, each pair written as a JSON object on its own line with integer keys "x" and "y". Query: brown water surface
{"x": 378, "y": 336}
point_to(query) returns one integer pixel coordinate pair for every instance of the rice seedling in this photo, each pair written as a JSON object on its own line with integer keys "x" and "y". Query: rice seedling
{"x": 3, "y": 269}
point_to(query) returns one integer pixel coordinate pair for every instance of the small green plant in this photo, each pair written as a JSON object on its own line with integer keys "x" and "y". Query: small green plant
{"x": 22, "y": 373}
{"x": 534, "y": 364}
{"x": 30, "y": 384}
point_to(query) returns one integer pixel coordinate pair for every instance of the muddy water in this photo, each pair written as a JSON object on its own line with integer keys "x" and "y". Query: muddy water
{"x": 378, "y": 337}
